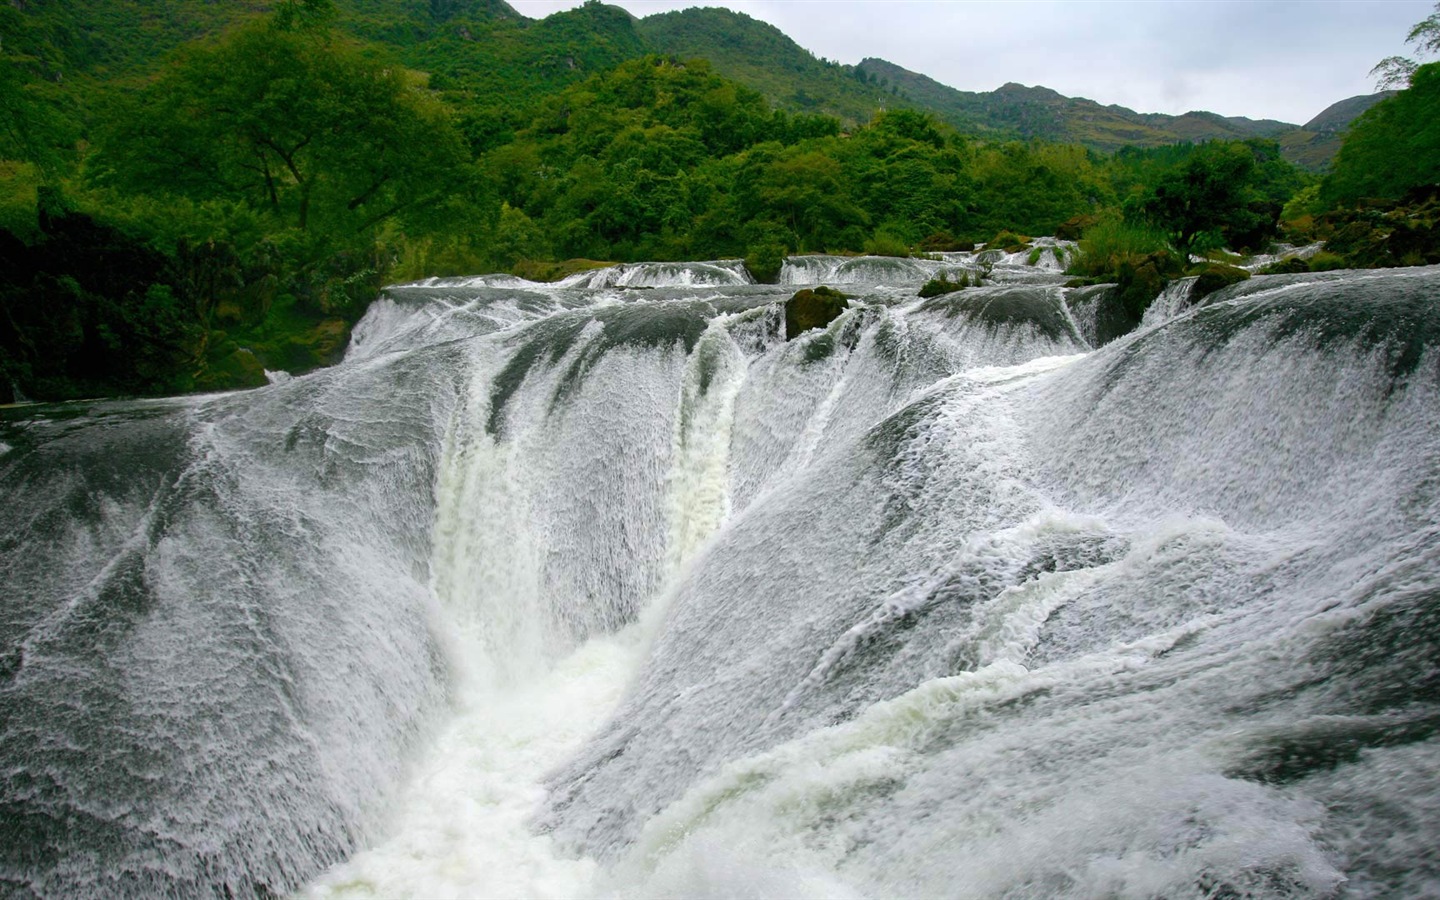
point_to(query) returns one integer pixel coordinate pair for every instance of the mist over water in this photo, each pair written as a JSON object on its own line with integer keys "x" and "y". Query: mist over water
{"x": 604, "y": 588}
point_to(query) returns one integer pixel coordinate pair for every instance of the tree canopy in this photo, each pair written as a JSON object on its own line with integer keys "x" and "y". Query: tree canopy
{"x": 1393, "y": 147}
{"x": 290, "y": 118}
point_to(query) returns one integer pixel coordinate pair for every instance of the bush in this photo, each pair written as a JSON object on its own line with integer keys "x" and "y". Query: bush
{"x": 942, "y": 285}
{"x": 1108, "y": 245}
{"x": 886, "y": 244}
{"x": 765, "y": 262}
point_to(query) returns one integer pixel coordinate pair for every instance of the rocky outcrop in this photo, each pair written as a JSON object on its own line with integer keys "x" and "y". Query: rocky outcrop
{"x": 1212, "y": 277}
{"x": 813, "y": 308}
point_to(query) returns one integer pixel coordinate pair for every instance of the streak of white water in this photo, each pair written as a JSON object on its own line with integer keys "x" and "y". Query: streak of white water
{"x": 461, "y": 830}
{"x": 577, "y": 590}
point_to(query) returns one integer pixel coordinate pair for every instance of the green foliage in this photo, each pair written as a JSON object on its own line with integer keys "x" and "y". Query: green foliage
{"x": 813, "y": 308}
{"x": 765, "y": 60}
{"x": 886, "y": 243}
{"x": 1113, "y": 242}
{"x": 1393, "y": 147}
{"x": 291, "y": 119}
{"x": 277, "y": 164}
{"x": 764, "y": 261}
{"x": 1326, "y": 262}
{"x": 516, "y": 237}
{"x": 36, "y": 118}
{"x": 1224, "y": 192}
{"x": 1008, "y": 241}
{"x": 943, "y": 285}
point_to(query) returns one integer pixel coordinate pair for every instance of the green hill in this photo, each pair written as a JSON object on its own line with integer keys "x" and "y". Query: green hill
{"x": 761, "y": 57}
{"x": 495, "y": 64}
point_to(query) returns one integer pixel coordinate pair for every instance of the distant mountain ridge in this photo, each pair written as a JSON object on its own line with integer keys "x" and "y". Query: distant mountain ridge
{"x": 487, "y": 50}
{"x": 761, "y": 56}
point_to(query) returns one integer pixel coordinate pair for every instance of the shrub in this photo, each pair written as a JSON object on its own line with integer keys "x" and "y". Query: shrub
{"x": 1107, "y": 246}
{"x": 942, "y": 285}
{"x": 886, "y": 244}
{"x": 765, "y": 262}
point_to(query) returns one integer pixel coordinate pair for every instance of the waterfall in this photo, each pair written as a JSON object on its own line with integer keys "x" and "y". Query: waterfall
{"x": 605, "y": 588}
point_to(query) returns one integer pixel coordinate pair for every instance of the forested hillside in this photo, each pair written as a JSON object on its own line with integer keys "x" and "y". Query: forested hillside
{"x": 194, "y": 193}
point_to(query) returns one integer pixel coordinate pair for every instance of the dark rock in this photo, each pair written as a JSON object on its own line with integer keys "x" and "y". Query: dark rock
{"x": 1290, "y": 265}
{"x": 1009, "y": 307}
{"x": 1073, "y": 227}
{"x": 1140, "y": 283}
{"x": 812, "y": 309}
{"x": 945, "y": 242}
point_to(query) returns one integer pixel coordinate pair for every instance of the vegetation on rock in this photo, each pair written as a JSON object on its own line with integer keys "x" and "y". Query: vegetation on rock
{"x": 1211, "y": 277}
{"x": 943, "y": 285}
{"x": 813, "y": 308}
{"x": 267, "y": 166}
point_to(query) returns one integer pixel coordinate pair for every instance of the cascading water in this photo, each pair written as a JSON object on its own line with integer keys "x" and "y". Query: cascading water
{"x": 604, "y": 588}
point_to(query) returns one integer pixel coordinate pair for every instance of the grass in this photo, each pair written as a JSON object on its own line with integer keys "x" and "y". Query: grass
{"x": 1106, "y": 246}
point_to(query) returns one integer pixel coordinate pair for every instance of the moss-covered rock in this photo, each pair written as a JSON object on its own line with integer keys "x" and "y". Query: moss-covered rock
{"x": 1008, "y": 241}
{"x": 547, "y": 271}
{"x": 1073, "y": 227}
{"x": 940, "y": 284}
{"x": 230, "y": 367}
{"x": 945, "y": 242}
{"x": 1290, "y": 265}
{"x": 1141, "y": 282}
{"x": 1009, "y": 307}
{"x": 1211, "y": 277}
{"x": 1382, "y": 234}
{"x": 813, "y": 309}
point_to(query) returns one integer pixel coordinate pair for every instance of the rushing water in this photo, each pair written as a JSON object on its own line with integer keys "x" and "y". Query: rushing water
{"x": 604, "y": 588}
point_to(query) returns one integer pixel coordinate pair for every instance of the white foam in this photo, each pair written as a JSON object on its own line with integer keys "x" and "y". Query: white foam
{"x": 461, "y": 829}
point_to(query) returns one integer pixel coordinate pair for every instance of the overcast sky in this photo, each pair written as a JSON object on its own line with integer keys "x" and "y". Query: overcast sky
{"x": 1266, "y": 59}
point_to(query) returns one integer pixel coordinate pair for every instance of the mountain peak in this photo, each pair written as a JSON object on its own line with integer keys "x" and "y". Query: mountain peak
{"x": 1336, "y": 117}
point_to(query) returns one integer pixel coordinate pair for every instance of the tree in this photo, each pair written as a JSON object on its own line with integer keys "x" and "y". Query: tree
{"x": 1231, "y": 191}
{"x": 313, "y": 128}
{"x": 1397, "y": 71}
{"x": 1393, "y": 147}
